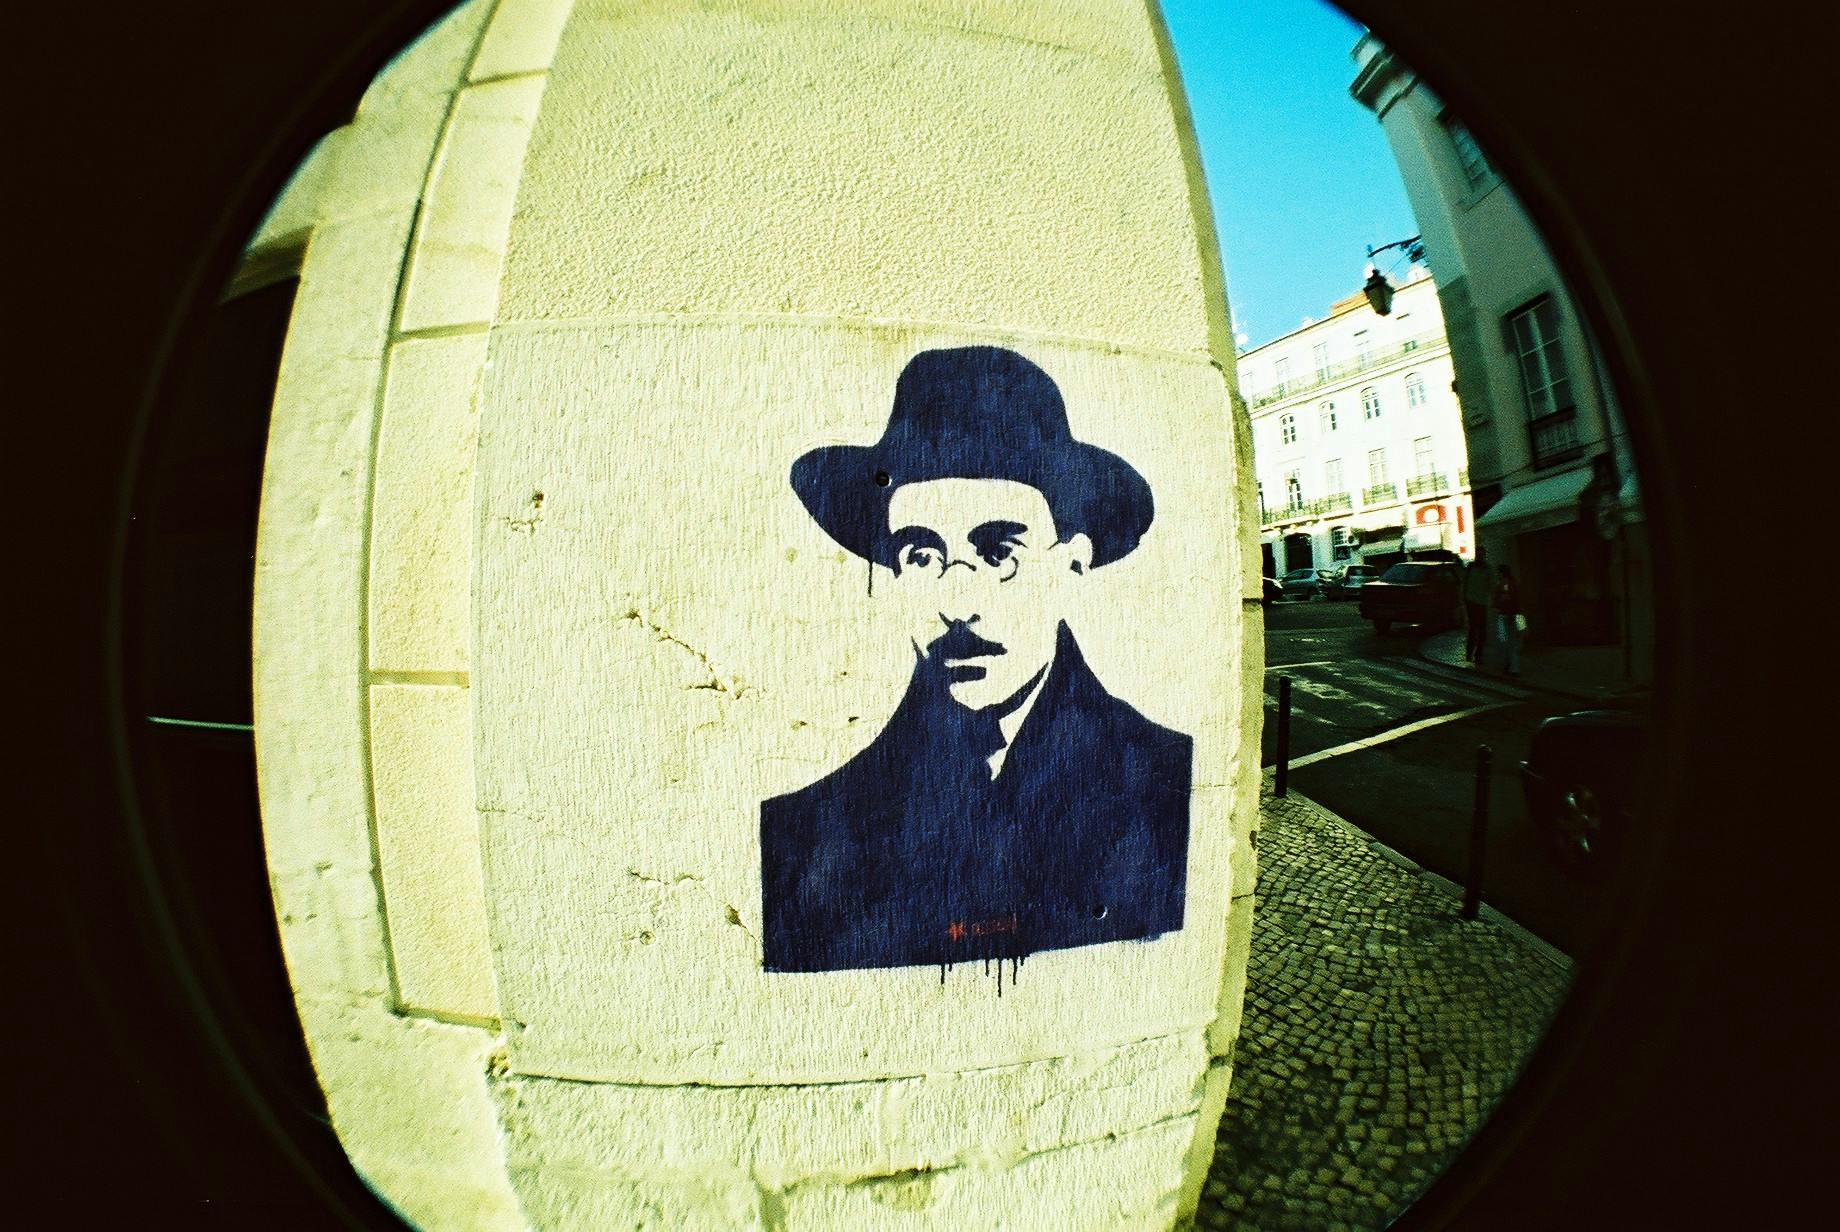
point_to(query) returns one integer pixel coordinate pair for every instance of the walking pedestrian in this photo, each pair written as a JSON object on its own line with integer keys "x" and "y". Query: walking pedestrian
{"x": 1509, "y": 623}
{"x": 1478, "y": 586}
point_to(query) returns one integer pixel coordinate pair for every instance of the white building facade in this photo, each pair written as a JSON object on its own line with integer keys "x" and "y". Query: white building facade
{"x": 1357, "y": 437}
{"x": 1555, "y": 487}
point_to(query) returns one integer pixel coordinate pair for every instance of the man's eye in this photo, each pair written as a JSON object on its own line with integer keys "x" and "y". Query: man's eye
{"x": 921, "y": 558}
{"x": 998, "y": 554}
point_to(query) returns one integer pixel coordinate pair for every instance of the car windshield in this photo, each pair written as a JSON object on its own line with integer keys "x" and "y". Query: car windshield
{"x": 1408, "y": 573}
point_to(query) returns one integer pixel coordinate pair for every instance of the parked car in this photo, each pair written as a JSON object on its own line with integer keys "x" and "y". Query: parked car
{"x": 1273, "y": 591}
{"x": 1579, "y": 779}
{"x": 1421, "y": 592}
{"x": 1302, "y": 583}
{"x": 1346, "y": 582}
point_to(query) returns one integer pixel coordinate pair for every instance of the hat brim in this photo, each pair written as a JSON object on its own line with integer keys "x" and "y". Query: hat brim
{"x": 1090, "y": 491}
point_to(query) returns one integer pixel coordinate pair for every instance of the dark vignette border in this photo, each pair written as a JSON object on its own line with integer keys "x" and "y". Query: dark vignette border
{"x": 1654, "y": 148}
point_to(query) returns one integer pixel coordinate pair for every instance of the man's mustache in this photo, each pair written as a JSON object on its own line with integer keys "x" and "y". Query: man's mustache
{"x": 959, "y": 642}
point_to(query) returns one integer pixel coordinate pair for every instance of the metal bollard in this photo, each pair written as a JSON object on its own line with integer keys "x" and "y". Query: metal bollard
{"x": 1478, "y": 834}
{"x": 1282, "y": 780}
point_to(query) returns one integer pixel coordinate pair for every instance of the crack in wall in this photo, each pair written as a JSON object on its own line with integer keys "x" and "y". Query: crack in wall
{"x": 730, "y": 686}
{"x": 730, "y": 912}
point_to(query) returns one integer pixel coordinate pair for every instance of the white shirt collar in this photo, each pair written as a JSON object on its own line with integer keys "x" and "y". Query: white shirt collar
{"x": 1011, "y": 723}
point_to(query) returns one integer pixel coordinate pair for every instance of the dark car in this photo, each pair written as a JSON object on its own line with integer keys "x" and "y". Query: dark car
{"x": 1302, "y": 583}
{"x": 1346, "y": 582}
{"x": 1579, "y": 779}
{"x": 1419, "y": 592}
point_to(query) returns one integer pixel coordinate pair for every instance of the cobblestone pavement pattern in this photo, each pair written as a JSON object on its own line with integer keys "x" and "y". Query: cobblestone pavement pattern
{"x": 1379, "y": 1031}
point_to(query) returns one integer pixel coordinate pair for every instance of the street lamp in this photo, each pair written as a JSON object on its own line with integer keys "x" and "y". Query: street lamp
{"x": 1378, "y": 290}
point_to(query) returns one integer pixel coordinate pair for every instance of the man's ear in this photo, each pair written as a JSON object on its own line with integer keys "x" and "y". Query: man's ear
{"x": 1077, "y": 552}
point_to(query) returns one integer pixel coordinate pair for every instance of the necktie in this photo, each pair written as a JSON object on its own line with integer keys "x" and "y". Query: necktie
{"x": 983, "y": 736}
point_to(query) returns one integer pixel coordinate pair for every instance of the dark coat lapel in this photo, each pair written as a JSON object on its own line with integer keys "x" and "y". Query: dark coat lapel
{"x": 910, "y": 854}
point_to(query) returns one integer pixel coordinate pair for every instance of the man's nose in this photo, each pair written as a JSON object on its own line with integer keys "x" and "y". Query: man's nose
{"x": 959, "y": 594}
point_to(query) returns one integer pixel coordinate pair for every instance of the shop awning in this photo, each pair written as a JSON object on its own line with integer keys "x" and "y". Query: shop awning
{"x": 1630, "y": 498}
{"x": 1552, "y": 501}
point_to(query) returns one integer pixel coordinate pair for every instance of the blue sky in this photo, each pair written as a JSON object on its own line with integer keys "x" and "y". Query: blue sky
{"x": 1299, "y": 174}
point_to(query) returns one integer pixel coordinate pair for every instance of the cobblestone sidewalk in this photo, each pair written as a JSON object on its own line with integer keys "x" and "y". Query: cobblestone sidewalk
{"x": 1379, "y": 1031}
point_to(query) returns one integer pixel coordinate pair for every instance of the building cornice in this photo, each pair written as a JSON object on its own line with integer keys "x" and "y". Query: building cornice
{"x": 1312, "y": 394}
{"x": 1424, "y": 280}
{"x": 1381, "y": 80}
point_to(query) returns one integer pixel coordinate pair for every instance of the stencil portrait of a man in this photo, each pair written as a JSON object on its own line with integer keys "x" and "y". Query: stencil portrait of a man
{"x": 1011, "y": 804}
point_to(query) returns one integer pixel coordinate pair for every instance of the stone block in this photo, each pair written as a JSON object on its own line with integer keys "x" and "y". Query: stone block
{"x": 332, "y": 931}
{"x": 1225, "y": 1029}
{"x": 409, "y": 1102}
{"x": 1131, "y": 1181}
{"x": 1246, "y": 814}
{"x": 380, "y": 161}
{"x": 785, "y": 1136}
{"x": 298, "y": 207}
{"x": 595, "y": 1201}
{"x": 309, "y": 623}
{"x": 1202, "y": 1148}
{"x": 460, "y": 240}
{"x": 810, "y": 210}
{"x": 421, "y": 547}
{"x": 428, "y": 848}
{"x": 521, "y": 38}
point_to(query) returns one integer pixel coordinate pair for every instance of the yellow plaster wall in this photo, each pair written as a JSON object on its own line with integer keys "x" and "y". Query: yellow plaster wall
{"x": 635, "y": 257}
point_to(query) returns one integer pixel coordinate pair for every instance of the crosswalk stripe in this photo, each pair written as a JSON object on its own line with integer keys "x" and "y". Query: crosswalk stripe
{"x": 1302, "y": 712}
{"x": 1357, "y": 673}
{"x": 1479, "y": 686}
{"x": 1286, "y": 667}
{"x": 1384, "y": 737}
{"x": 1332, "y": 693}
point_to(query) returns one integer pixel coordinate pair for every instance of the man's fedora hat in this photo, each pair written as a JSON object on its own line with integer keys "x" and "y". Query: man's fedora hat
{"x": 975, "y": 413}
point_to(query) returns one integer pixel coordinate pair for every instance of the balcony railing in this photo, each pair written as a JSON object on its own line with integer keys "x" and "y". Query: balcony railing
{"x": 1304, "y": 510}
{"x": 1555, "y": 437}
{"x": 1378, "y": 358}
{"x": 1379, "y": 493}
{"x": 1429, "y": 484}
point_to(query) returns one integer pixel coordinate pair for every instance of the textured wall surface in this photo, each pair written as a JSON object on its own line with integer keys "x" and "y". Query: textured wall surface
{"x": 540, "y": 621}
{"x": 363, "y": 609}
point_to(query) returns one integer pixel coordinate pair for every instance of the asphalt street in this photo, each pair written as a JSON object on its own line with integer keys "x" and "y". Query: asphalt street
{"x": 1412, "y": 784}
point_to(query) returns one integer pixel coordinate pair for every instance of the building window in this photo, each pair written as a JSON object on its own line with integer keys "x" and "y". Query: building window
{"x": 1415, "y": 389}
{"x": 1261, "y": 487}
{"x": 1293, "y": 490}
{"x": 1370, "y": 403}
{"x": 1476, "y": 170}
{"x": 1532, "y": 333}
{"x": 1341, "y": 543}
{"x": 1281, "y": 373}
{"x": 1332, "y": 476}
{"x": 1376, "y": 467}
{"x": 1328, "y": 417}
{"x": 1320, "y": 354}
{"x": 1287, "y": 429}
{"x": 1423, "y": 459}
{"x": 1363, "y": 348}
